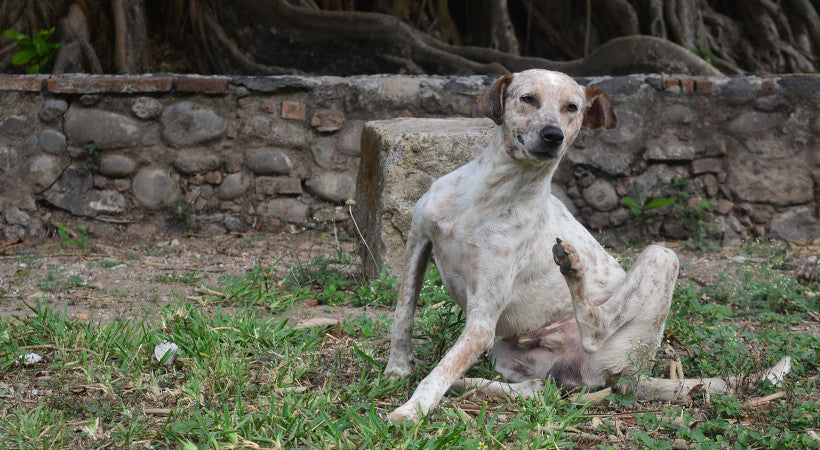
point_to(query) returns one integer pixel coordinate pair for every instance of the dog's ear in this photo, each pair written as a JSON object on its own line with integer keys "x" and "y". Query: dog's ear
{"x": 599, "y": 111}
{"x": 491, "y": 102}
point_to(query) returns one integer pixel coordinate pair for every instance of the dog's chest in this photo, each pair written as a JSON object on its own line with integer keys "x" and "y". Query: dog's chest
{"x": 503, "y": 252}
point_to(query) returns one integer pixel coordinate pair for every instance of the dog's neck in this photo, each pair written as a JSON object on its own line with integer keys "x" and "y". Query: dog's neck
{"x": 512, "y": 181}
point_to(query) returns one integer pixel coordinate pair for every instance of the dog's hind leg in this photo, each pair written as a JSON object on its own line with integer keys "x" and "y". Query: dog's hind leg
{"x": 624, "y": 329}
{"x": 672, "y": 389}
{"x": 419, "y": 248}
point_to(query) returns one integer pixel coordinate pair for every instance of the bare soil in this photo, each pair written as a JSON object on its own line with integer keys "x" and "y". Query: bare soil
{"x": 112, "y": 279}
{"x": 118, "y": 277}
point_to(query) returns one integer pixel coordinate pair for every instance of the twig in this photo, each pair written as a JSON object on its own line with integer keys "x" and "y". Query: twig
{"x": 350, "y": 204}
{"x": 763, "y": 400}
{"x": 236, "y": 330}
{"x": 206, "y": 291}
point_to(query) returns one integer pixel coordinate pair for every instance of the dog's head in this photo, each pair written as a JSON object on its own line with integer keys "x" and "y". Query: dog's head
{"x": 540, "y": 112}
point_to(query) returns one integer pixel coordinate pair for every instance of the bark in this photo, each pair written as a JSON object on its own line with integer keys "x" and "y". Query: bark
{"x": 425, "y": 50}
{"x": 501, "y": 28}
{"x": 424, "y": 36}
{"x": 615, "y": 18}
{"x": 131, "y": 36}
{"x": 75, "y": 53}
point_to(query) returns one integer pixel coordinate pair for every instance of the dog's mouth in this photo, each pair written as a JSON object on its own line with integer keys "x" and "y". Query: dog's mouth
{"x": 545, "y": 152}
{"x": 544, "y": 155}
{"x": 542, "y": 152}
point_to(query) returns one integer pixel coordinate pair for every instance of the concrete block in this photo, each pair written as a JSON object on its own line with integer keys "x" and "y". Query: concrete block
{"x": 400, "y": 159}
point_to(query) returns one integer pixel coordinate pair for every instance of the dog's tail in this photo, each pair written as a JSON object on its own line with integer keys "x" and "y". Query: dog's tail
{"x": 673, "y": 389}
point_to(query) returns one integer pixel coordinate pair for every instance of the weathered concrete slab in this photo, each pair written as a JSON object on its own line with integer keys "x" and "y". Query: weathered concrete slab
{"x": 400, "y": 159}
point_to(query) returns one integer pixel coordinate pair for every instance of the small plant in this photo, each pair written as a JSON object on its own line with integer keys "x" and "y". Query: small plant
{"x": 641, "y": 205}
{"x": 694, "y": 218}
{"x": 182, "y": 215}
{"x": 325, "y": 273}
{"x": 35, "y": 52}
{"x": 94, "y": 151}
{"x": 705, "y": 53}
{"x": 188, "y": 278}
{"x": 78, "y": 238}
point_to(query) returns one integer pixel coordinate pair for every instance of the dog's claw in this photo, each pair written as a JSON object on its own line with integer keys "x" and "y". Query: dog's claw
{"x": 565, "y": 256}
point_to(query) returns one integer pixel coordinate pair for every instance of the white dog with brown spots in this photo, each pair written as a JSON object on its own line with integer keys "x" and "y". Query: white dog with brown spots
{"x": 536, "y": 287}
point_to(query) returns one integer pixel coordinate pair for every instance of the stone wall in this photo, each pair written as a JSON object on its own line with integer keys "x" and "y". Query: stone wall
{"x": 217, "y": 154}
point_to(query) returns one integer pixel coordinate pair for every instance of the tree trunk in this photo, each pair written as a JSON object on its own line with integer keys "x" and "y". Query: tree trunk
{"x": 501, "y": 28}
{"x": 131, "y": 36}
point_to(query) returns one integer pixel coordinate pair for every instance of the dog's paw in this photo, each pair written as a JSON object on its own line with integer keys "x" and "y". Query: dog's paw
{"x": 407, "y": 412}
{"x": 396, "y": 371}
{"x": 566, "y": 257}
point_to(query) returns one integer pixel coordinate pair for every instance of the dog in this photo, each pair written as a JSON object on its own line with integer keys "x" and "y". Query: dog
{"x": 523, "y": 269}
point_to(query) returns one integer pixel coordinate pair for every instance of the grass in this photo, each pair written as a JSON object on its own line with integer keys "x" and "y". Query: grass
{"x": 246, "y": 378}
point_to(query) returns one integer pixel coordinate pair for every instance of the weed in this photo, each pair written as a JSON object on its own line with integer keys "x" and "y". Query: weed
{"x": 51, "y": 281}
{"x": 35, "y": 51}
{"x": 257, "y": 287}
{"x": 77, "y": 238}
{"x": 182, "y": 215}
{"x": 641, "y": 205}
{"x": 757, "y": 285}
{"x": 321, "y": 271}
{"x": 188, "y": 278}
{"x": 27, "y": 257}
{"x": 36, "y": 428}
{"x": 704, "y": 52}
{"x": 245, "y": 379}
{"x": 695, "y": 218}
{"x": 94, "y": 152}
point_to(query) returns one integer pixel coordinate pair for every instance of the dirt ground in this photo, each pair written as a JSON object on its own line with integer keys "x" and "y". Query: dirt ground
{"x": 115, "y": 280}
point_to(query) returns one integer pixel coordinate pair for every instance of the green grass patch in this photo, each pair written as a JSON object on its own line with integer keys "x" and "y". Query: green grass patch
{"x": 243, "y": 378}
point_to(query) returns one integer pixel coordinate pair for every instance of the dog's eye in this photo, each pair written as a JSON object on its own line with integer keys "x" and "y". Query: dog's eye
{"x": 529, "y": 99}
{"x": 572, "y": 107}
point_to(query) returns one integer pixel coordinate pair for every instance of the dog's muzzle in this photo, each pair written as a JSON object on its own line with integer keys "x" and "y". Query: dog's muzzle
{"x": 551, "y": 139}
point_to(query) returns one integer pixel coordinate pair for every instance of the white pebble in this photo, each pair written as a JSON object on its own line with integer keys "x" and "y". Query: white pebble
{"x": 161, "y": 349}
{"x": 31, "y": 358}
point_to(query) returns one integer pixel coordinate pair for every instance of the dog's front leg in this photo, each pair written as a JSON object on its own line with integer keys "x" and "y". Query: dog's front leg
{"x": 477, "y": 337}
{"x": 400, "y": 361}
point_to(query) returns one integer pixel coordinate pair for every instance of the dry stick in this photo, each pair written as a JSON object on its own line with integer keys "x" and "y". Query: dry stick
{"x": 208, "y": 291}
{"x": 763, "y": 400}
{"x": 350, "y": 204}
{"x": 235, "y": 330}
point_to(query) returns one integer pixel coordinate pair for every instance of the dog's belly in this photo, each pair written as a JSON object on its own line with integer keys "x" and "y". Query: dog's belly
{"x": 535, "y": 304}
{"x": 551, "y": 351}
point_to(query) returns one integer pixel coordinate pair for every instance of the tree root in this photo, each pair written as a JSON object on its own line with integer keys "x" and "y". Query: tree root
{"x": 628, "y": 54}
{"x": 245, "y": 61}
{"x": 763, "y": 36}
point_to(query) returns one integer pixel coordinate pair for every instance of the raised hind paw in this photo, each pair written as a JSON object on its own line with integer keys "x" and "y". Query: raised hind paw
{"x": 566, "y": 257}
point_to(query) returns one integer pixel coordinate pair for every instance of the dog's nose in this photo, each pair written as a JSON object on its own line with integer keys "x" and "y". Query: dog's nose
{"x": 552, "y": 136}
